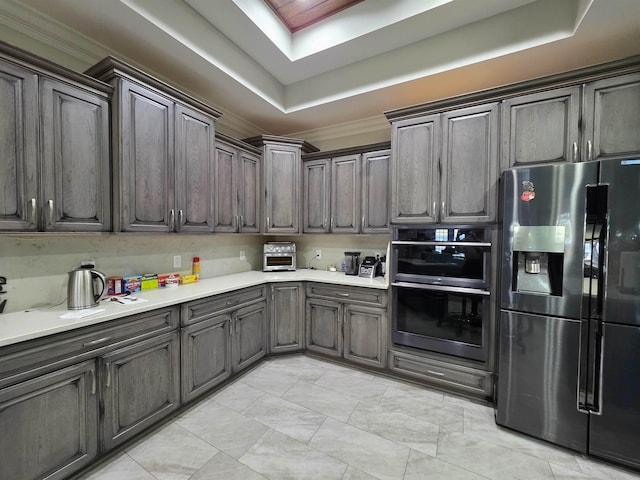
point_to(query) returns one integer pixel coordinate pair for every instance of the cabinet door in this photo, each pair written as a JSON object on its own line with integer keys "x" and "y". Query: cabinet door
{"x": 194, "y": 173}
{"x": 49, "y": 424}
{"x": 364, "y": 335}
{"x": 248, "y": 192}
{"x": 469, "y": 173}
{"x": 140, "y": 385}
{"x": 19, "y": 146}
{"x": 146, "y": 172}
{"x": 415, "y": 145}
{"x": 375, "y": 191}
{"x": 282, "y": 188}
{"x": 541, "y": 128}
{"x": 249, "y": 335}
{"x": 345, "y": 194}
{"x": 75, "y": 159}
{"x": 317, "y": 193}
{"x": 226, "y": 192}
{"x": 611, "y": 119}
{"x": 206, "y": 356}
{"x": 324, "y": 327}
{"x": 287, "y": 318}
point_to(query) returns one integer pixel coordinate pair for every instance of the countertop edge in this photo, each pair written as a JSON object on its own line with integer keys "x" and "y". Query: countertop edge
{"x": 18, "y": 327}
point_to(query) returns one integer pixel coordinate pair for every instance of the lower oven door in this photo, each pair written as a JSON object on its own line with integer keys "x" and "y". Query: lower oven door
{"x": 448, "y": 320}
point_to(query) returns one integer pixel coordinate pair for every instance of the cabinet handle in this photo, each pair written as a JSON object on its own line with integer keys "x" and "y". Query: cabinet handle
{"x": 180, "y": 218}
{"x": 232, "y": 302}
{"x": 50, "y": 204}
{"x": 442, "y": 210}
{"x": 230, "y": 327}
{"x": 437, "y": 374}
{"x": 333, "y": 224}
{"x": 172, "y": 219}
{"x": 575, "y": 151}
{"x": 33, "y": 211}
{"x": 93, "y": 381}
{"x": 93, "y": 343}
{"x": 241, "y": 223}
{"x": 268, "y": 223}
{"x": 433, "y": 210}
{"x": 236, "y": 322}
{"x": 342, "y": 294}
{"x": 107, "y": 366}
{"x": 234, "y": 223}
{"x": 589, "y": 150}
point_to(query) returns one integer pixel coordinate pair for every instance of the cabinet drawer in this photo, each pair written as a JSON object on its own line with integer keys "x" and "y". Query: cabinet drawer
{"x": 370, "y": 296}
{"x": 478, "y": 383}
{"x": 201, "y": 309}
{"x": 56, "y": 351}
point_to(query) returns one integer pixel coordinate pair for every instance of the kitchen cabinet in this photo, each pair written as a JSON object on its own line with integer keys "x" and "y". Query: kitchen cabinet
{"x": 550, "y": 127}
{"x": 346, "y": 191}
{"x": 541, "y": 127}
{"x": 221, "y": 335}
{"x": 445, "y": 167}
{"x": 347, "y": 322}
{"x": 49, "y": 423}
{"x": 281, "y": 182}
{"x": 163, "y": 149}
{"x": 610, "y": 119}
{"x": 140, "y": 385}
{"x": 54, "y": 136}
{"x": 237, "y": 186}
{"x": 70, "y": 397}
{"x": 286, "y": 317}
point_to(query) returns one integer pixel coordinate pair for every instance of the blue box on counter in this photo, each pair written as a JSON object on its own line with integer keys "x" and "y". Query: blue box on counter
{"x": 132, "y": 284}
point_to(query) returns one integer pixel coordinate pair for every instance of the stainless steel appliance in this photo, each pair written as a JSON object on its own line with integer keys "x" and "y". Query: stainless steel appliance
{"x": 279, "y": 256}
{"x": 82, "y": 289}
{"x": 351, "y": 263}
{"x": 569, "y": 352}
{"x": 370, "y": 267}
{"x": 441, "y": 289}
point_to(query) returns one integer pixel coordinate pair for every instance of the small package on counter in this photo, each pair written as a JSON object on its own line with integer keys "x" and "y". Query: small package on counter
{"x": 168, "y": 280}
{"x": 189, "y": 279}
{"x": 132, "y": 283}
{"x": 149, "y": 281}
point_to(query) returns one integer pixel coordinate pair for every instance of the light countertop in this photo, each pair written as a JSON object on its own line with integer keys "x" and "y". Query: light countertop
{"x": 27, "y": 325}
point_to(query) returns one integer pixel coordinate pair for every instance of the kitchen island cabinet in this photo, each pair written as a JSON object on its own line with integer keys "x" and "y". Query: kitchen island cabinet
{"x": 349, "y": 323}
{"x": 163, "y": 152}
{"x": 54, "y": 138}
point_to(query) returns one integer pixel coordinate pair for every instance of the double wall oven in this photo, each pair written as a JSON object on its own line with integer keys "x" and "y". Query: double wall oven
{"x": 441, "y": 289}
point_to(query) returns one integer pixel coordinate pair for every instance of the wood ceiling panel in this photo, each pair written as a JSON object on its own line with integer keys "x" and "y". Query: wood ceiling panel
{"x": 298, "y": 14}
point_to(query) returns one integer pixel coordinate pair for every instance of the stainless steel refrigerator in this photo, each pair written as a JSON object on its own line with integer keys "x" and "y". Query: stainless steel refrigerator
{"x": 569, "y": 348}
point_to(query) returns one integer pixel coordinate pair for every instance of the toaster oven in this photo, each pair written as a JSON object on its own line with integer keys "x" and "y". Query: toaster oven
{"x": 279, "y": 256}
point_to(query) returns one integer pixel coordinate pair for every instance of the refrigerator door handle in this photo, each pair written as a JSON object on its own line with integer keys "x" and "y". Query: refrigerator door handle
{"x": 583, "y": 359}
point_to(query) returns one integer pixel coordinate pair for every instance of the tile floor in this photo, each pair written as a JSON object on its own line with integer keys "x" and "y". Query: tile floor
{"x": 298, "y": 417}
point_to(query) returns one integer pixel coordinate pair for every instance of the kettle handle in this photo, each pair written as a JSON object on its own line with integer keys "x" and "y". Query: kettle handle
{"x": 102, "y": 277}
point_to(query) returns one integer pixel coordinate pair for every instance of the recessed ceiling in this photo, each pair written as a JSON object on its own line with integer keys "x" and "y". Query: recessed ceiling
{"x": 298, "y": 14}
{"x": 371, "y": 57}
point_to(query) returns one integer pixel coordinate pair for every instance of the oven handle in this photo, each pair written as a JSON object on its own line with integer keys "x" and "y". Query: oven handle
{"x": 444, "y": 244}
{"x": 443, "y": 288}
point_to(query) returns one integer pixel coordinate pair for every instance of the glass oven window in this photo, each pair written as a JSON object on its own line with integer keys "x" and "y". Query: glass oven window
{"x": 440, "y": 315}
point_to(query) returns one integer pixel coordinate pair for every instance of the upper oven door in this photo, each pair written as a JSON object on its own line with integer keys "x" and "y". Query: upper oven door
{"x": 442, "y": 255}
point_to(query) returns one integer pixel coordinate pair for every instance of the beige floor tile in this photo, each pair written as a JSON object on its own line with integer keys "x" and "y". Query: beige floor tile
{"x": 122, "y": 467}
{"x": 224, "y": 467}
{"x": 322, "y": 400}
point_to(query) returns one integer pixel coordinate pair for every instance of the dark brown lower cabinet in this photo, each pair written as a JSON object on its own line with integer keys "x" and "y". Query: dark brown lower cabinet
{"x": 49, "y": 424}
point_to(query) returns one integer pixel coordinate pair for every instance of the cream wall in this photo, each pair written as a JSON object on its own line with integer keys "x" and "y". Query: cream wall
{"x": 36, "y": 265}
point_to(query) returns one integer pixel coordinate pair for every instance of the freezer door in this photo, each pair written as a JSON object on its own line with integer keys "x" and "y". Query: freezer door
{"x": 537, "y": 378}
{"x": 539, "y": 204}
{"x": 622, "y": 298}
{"x": 615, "y": 433}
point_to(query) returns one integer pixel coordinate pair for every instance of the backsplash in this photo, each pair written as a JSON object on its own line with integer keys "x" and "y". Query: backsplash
{"x": 36, "y": 265}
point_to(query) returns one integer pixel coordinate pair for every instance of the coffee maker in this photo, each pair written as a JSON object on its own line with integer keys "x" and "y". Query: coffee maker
{"x": 351, "y": 263}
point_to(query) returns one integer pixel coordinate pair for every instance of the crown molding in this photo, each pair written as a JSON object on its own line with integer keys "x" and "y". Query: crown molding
{"x": 353, "y": 128}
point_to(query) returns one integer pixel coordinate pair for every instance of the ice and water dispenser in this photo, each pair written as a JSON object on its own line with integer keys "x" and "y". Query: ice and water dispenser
{"x": 538, "y": 259}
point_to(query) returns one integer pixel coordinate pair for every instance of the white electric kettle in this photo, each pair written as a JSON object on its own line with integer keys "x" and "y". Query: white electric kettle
{"x": 81, "y": 289}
